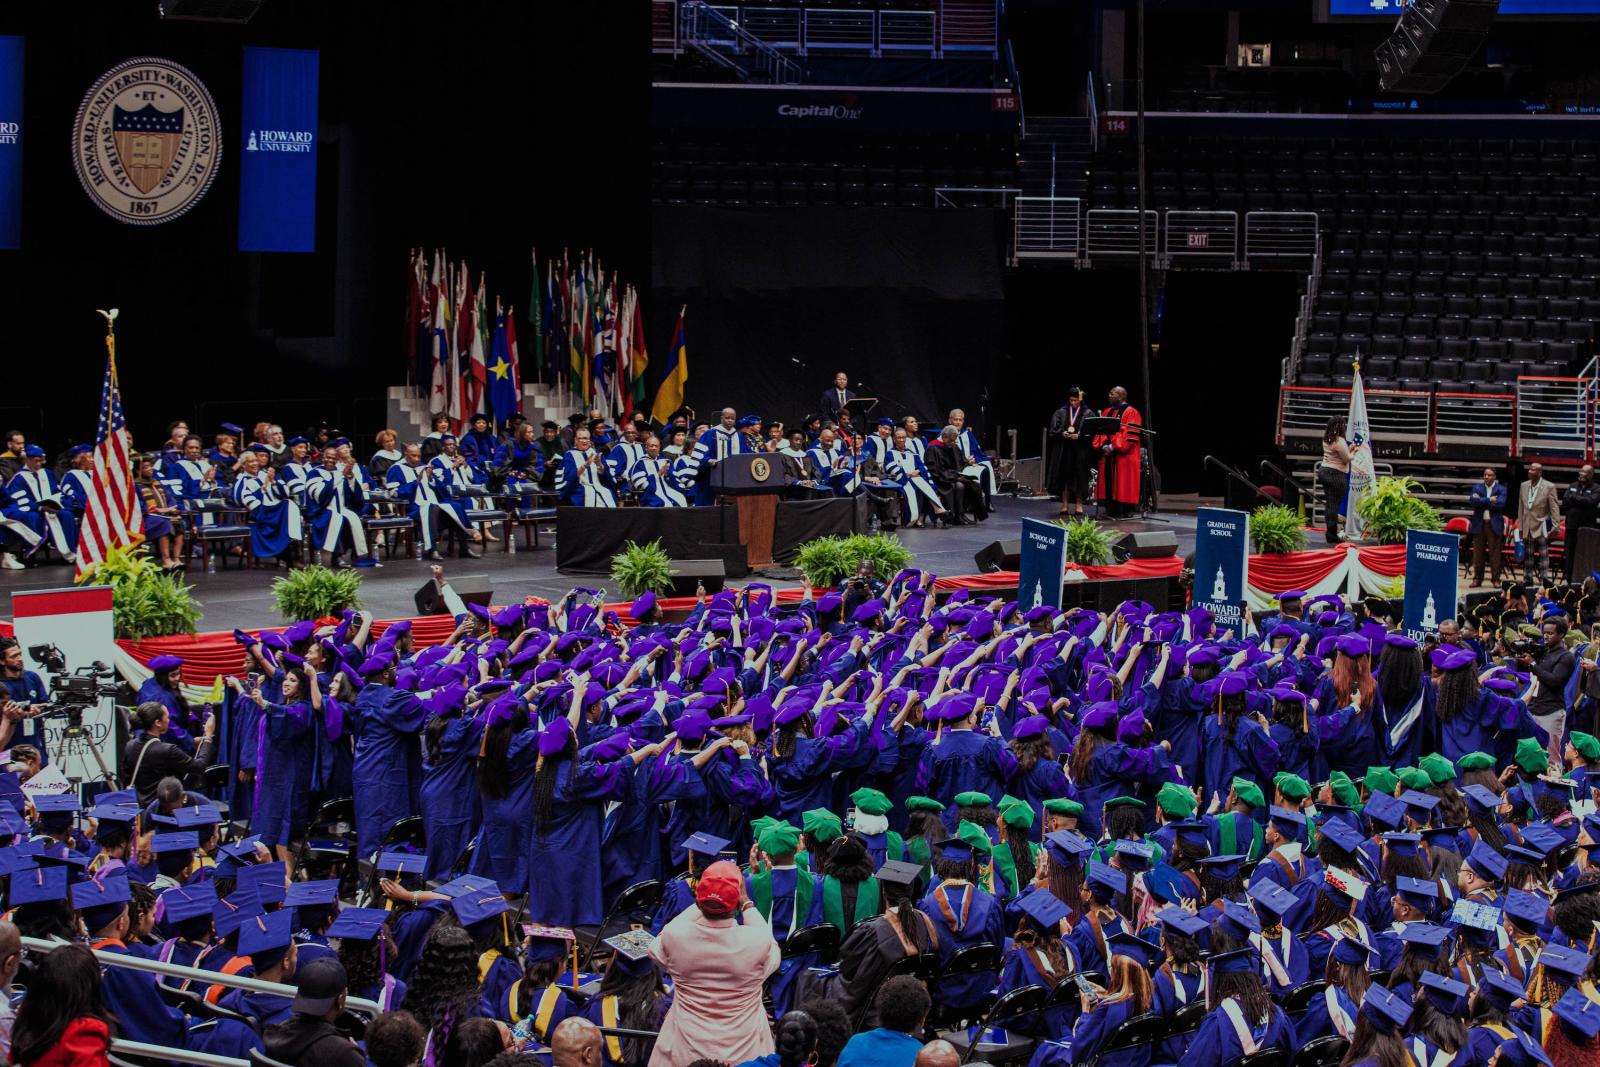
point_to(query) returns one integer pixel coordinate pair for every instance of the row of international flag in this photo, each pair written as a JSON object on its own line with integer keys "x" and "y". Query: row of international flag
{"x": 586, "y": 331}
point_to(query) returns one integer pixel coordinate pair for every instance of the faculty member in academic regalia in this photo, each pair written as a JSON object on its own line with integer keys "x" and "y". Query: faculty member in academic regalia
{"x": 335, "y": 496}
{"x": 1120, "y": 459}
{"x": 416, "y": 483}
{"x": 33, "y": 496}
{"x": 715, "y": 445}
{"x": 274, "y": 517}
{"x": 582, "y": 480}
{"x": 656, "y": 480}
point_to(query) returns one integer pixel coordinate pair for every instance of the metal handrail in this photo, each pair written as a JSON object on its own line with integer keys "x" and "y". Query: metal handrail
{"x": 1233, "y": 474}
{"x": 1016, "y": 88}
{"x": 1094, "y": 117}
{"x": 195, "y": 974}
{"x": 144, "y": 1050}
{"x": 1283, "y": 476}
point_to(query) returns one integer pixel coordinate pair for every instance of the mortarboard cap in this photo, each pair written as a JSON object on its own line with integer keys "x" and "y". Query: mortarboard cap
{"x": 359, "y": 924}
{"x": 184, "y": 902}
{"x": 1428, "y": 935}
{"x": 1182, "y": 921}
{"x": 896, "y": 872}
{"x": 1044, "y": 908}
{"x": 1579, "y": 1012}
{"x": 1239, "y": 961}
{"x": 1385, "y": 1010}
{"x": 1564, "y": 960}
{"x": 265, "y": 933}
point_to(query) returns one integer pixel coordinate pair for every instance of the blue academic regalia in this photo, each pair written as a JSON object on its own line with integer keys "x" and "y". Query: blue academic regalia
{"x": 1475, "y": 727}
{"x": 1018, "y": 969}
{"x": 657, "y": 488}
{"x": 1297, "y": 750}
{"x": 805, "y": 779}
{"x": 181, "y": 724}
{"x": 388, "y": 762}
{"x": 1250, "y": 753}
{"x": 631, "y": 838}
{"x": 1292, "y": 956}
{"x": 274, "y": 518}
{"x": 582, "y": 484}
{"x": 283, "y": 772}
{"x": 713, "y": 446}
{"x": 410, "y": 932}
{"x": 711, "y": 799}
{"x": 1177, "y": 720}
{"x": 427, "y": 500}
{"x": 959, "y": 761}
{"x": 241, "y": 720}
{"x": 571, "y": 843}
{"x": 1318, "y": 1020}
{"x": 1094, "y": 1027}
{"x": 1217, "y": 1045}
{"x": 1045, "y": 781}
{"x": 388, "y": 994}
{"x": 983, "y": 923}
{"x": 1171, "y": 991}
{"x": 27, "y": 493}
{"x": 335, "y": 503}
{"x": 1118, "y": 770}
{"x": 1347, "y": 737}
{"x": 131, "y": 997}
{"x": 903, "y": 761}
{"x": 501, "y": 854}
{"x": 450, "y": 806}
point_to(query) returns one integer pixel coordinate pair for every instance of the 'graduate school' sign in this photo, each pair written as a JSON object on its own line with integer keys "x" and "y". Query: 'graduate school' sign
{"x": 1221, "y": 565}
{"x": 1043, "y": 565}
{"x": 1432, "y": 565}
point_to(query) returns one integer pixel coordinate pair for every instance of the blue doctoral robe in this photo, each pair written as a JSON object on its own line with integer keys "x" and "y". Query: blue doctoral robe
{"x": 274, "y": 517}
{"x": 713, "y": 446}
{"x": 1117, "y": 770}
{"x": 582, "y": 484}
{"x": 502, "y": 853}
{"x": 571, "y": 842}
{"x": 1250, "y": 753}
{"x": 1347, "y": 737}
{"x": 1217, "y": 1044}
{"x": 1172, "y": 990}
{"x": 983, "y": 923}
{"x": 1045, "y": 781}
{"x": 1476, "y": 727}
{"x": 717, "y": 799}
{"x": 958, "y": 761}
{"x": 1177, "y": 720}
{"x": 27, "y": 494}
{"x": 284, "y": 748}
{"x": 631, "y": 837}
{"x": 805, "y": 779}
{"x": 450, "y": 803}
{"x": 388, "y": 762}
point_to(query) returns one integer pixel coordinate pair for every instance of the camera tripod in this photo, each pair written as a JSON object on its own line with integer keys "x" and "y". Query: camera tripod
{"x": 75, "y": 739}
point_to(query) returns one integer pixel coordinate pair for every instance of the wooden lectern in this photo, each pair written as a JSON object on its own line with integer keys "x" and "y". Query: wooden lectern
{"x": 754, "y": 480}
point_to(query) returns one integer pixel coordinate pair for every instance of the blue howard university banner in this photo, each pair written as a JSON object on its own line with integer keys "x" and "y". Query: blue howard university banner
{"x": 278, "y": 151}
{"x": 10, "y": 142}
{"x": 1221, "y": 560}
{"x": 1044, "y": 564}
{"x": 1432, "y": 565}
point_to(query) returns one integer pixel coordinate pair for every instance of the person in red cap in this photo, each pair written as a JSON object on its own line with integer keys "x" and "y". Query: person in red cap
{"x": 717, "y": 967}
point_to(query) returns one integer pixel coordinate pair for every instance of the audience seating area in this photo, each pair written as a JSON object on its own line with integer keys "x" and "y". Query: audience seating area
{"x": 801, "y": 171}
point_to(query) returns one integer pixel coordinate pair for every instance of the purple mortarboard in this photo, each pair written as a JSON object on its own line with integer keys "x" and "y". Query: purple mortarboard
{"x": 179, "y": 841}
{"x": 693, "y": 724}
{"x": 1228, "y": 683}
{"x": 300, "y": 631}
{"x": 1385, "y": 1010}
{"x": 1421, "y": 893}
{"x": 1353, "y": 951}
{"x": 184, "y": 902}
{"x": 358, "y": 924}
{"x": 275, "y": 640}
{"x": 376, "y": 664}
{"x": 1542, "y": 836}
{"x": 37, "y": 885}
{"x": 1419, "y": 803}
{"x": 1428, "y": 935}
{"x": 1239, "y": 961}
{"x": 479, "y": 905}
{"x": 1291, "y": 594}
{"x": 1398, "y": 641}
{"x": 1104, "y": 878}
{"x": 1134, "y": 855}
{"x": 1353, "y": 645}
{"x": 1283, "y": 629}
{"x": 1445, "y": 658}
{"x": 261, "y": 935}
{"x": 1446, "y": 994}
{"x": 828, "y": 603}
{"x": 867, "y": 611}
{"x": 1182, "y": 921}
{"x": 1402, "y": 844}
{"x": 164, "y": 663}
{"x": 1202, "y": 655}
{"x": 100, "y": 902}
{"x": 1135, "y": 948}
{"x": 266, "y": 880}
{"x": 1481, "y": 799}
{"x": 1503, "y": 685}
{"x": 554, "y": 737}
{"x": 1130, "y": 728}
{"x": 317, "y": 893}
{"x": 1224, "y": 866}
{"x": 231, "y": 913}
{"x": 1099, "y": 716}
{"x": 1500, "y": 989}
{"x": 1030, "y": 726}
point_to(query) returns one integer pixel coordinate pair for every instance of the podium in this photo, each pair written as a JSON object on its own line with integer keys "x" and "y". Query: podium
{"x": 753, "y": 480}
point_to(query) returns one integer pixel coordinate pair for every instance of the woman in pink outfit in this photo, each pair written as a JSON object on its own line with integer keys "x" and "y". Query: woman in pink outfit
{"x": 717, "y": 967}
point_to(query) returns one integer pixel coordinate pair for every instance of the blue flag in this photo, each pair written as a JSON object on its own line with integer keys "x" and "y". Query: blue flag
{"x": 502, "y": 380}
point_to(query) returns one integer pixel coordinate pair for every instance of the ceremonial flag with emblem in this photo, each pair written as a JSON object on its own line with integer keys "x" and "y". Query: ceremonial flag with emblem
{"x": 535, "y": 320}
{"x": 502, "y": 380}
{"x": 638, "y": 357}
{"x": 514, "y": 356}
{"x": 669, "y": 397}
{"x": 113, "y": 516}
{"x": 1359, "y": 433}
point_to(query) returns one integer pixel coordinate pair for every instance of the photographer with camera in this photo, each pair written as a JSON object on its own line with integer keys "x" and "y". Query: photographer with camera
{"x": 25, "y": 696}
{"x": 1552, "y": 665}
{"x": 151, "y": 757}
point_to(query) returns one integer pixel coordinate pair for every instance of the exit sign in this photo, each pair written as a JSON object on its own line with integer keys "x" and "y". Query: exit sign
{"x": 1198, "y": 240}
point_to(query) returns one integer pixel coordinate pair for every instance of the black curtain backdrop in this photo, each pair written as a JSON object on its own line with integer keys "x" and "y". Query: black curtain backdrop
{"x": 484, "y": 126}
{"x": 587, "y": 538}
{"x": 908, "y": 302}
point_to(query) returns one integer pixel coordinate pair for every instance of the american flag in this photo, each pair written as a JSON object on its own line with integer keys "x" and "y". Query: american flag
{"x": 114, "y": 517}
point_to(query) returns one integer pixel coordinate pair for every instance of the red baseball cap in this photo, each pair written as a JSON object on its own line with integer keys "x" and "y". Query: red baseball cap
{"x": 720, "y": 887}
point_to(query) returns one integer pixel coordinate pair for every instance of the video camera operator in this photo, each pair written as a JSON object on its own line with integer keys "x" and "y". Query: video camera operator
{"x": 150, "y": 757}
{"x": 25, "y": 696}
{"x": 1552, "y": 666}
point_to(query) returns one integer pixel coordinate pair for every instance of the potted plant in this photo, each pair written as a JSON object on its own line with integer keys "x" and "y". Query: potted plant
{"x": 1276, "y": 529}
{"x": 827, "y": 561}
{"x": 1391, "y": 507}
{"x": 642, "y": 568}
{"x": 1088, "y": 543}
{"x": 316, "y": 592}
{"x": 145, "y": 600}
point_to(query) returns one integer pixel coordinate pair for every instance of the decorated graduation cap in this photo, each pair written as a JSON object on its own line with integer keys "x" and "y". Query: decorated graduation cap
{"x": 1385, "y": 1010}
{"x": 1342, "y": 881}
{"x": 632, "y": 949}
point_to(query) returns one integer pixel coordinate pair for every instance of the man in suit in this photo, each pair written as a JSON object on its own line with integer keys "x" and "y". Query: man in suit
{"x": 1582, "y": 504}
{"x": 1538, "y": 517}
{"x": 1487, "y": 527}
{"x": 835, "y": 399}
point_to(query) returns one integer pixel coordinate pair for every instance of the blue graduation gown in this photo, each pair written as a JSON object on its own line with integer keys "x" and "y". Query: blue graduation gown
{"x": 411, "y": 931}
{"x": 450, "y": 806}
{"x": 714, "y": 445}
{"x": 1297, "y": 750}
{"x": 1250, "y": 753}
{"x": 1407, "y": 733}
{"x": 1172, "y": 990}
{"x": 1017, "y": 970}
{"x": 781, "y": 986}
{"x": 718, "y": 799}
{"x": 502, "y": 850}
{"x": 1476, "y": 726}
{"x": 571, "y": 844}
{"x": 582, "y": 485}
{"x": 983, "y": 923}
{"x": 27, "y": 492}
{"x": 1117, "y": 770}
{"x": 1347, "y": 738}
{"x": 1177, "y": 720}
{"x": 1046, "y": 781}
{"x": 283, "y": 772}
{"x": 182, "y": 723}
{"x": 630, "y": 840}
{"x": 132, "y": 998}
{"x": 1092, "y": 1030}
{"x": 1217, "y": 1044}
{"x": 241, "y": 720}
{"x": 1318, "y": 1020}
{"x": 388, "y": 762}
{"x": 805, "y": 780}
{"x": 959, "y": 761}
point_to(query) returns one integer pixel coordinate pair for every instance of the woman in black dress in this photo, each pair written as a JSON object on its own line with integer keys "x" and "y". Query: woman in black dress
{"x": 1071, "y": 458}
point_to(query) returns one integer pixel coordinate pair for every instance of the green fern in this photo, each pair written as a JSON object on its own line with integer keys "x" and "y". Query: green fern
{"x": 1391, "y": 507}
{"x": 1088, "y": 543}
{"x": 640, "y": 568}
{"x": 145, "y": 600}
{"x": 316, "y": 592}
{"x": 826, "y": 561}
{"x": 1276, "y": 529}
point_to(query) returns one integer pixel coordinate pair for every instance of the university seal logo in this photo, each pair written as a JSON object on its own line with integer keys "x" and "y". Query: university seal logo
{"x": 146, "y": 142}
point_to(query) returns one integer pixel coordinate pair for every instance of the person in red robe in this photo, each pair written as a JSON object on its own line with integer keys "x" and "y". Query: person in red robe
{"x": 1119, "y": 457}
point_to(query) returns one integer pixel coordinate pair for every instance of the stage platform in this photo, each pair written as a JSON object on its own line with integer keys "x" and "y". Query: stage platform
{"x": 243, "y": 599}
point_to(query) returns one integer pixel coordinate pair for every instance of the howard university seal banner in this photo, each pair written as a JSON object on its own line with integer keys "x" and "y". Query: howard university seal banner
{"x": 146, "y": 142}
{"x": 10, "y": 142}
{"x": 1221, "y": 559}
{"x": 278, "y": 151}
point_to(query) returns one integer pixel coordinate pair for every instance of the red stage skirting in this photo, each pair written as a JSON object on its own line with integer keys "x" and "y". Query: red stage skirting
{"x": 1302, "y": 570}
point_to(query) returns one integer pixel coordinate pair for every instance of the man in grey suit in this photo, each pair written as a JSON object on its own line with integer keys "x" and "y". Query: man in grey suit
{"x": 1538, "y": 517}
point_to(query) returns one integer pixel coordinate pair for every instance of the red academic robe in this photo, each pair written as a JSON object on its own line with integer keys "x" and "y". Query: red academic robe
{"x": 1119, "y": 481}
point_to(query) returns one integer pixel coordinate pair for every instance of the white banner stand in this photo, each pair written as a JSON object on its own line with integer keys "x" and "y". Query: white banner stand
{"x": 77, "y": 621}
